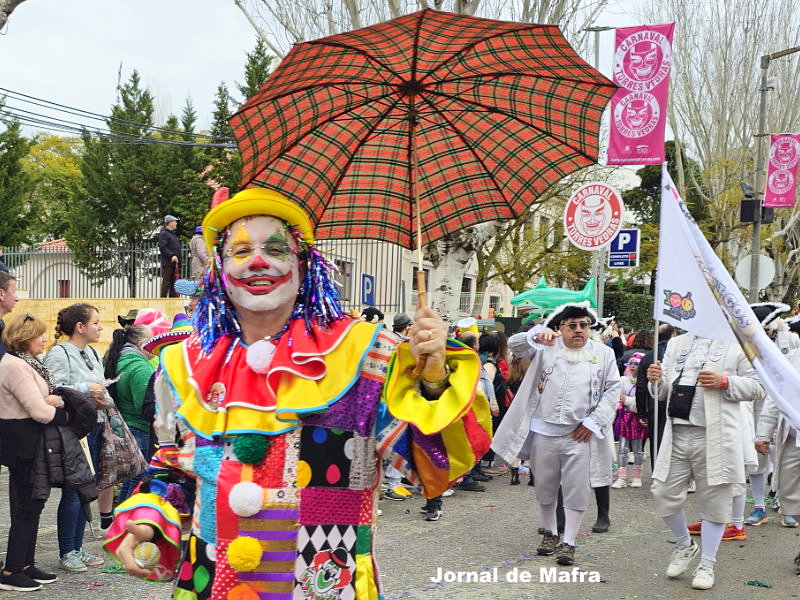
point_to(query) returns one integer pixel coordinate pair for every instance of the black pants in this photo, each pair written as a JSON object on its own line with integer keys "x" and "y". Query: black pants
{"x": 25, "y": 513}
{"x": 168, "y": 280}
{"x": 662, "y": 421}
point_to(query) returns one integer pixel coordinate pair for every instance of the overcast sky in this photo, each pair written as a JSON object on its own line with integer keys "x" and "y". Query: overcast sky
{"x": 70, "y": 52}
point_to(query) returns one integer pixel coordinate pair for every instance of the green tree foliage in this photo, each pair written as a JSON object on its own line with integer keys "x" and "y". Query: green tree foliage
{"x": 224, "y": 165}
{"x": 256, "y": 70}
{"x": 129, "y": 182}
{"x": 631, "y": 309}
{"x": 645, "y": 200}
{"x": 16, "y": 185}
{"x": 53, "y": 166}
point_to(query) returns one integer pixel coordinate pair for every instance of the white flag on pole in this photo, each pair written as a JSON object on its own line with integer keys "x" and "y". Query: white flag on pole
{"x": 695, "y": 292}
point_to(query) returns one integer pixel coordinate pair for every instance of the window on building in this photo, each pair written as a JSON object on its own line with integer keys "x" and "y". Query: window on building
{"x": 494, "y": 302}
{"x": 544, "y": 228}
{"x": 414, "y": 279}
{"x": 64, "y": 288}
{"x": 344, "y": 278}
{"x": 465, "y": 301}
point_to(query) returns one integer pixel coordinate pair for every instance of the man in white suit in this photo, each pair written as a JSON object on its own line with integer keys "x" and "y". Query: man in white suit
{"x": 704, "y": 381}
{"x": 568, "y": 395}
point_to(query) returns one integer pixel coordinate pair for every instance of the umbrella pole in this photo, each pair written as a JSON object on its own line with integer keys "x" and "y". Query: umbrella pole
{"x": 422, "y": 290}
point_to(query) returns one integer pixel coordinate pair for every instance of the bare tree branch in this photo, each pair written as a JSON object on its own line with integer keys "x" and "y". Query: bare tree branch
{"x": 6, "y": 8}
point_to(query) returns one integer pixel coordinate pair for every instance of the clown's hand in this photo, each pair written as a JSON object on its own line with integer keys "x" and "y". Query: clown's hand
{"x": 427, "y": 341}
{"x": 135, "y": 535}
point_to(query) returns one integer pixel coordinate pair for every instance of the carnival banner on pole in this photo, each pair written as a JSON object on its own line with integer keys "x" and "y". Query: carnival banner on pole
{"x": 642, "y": 65}
{"x": 695, "y": 292}
{"x": 784, "y": 154}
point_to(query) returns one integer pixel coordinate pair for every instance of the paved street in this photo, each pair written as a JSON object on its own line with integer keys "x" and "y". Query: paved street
{"x": 496, "y": 528}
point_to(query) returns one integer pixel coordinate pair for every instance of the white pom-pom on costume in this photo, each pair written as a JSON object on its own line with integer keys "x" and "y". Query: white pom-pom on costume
{"x": 147, "y": 555}
{"x": 259, "y": 355}
{"x": 246, "y": 498}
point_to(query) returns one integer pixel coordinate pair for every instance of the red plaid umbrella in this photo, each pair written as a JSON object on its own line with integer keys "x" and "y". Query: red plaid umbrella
{"x": 473, "y": 118}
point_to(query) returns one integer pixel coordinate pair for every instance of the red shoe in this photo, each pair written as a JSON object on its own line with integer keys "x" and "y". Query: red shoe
{"x": 732, "y": 533}
{"x": 694, "y": 528}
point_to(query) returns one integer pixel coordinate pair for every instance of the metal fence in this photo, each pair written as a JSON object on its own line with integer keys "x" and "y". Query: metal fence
{"x": 370, "y": 272}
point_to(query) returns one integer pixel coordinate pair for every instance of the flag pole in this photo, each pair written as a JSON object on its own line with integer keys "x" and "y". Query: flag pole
{"x": 654, "y": 448}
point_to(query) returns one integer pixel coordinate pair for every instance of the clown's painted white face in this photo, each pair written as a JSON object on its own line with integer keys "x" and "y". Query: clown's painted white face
{"x": 260, "y": 262}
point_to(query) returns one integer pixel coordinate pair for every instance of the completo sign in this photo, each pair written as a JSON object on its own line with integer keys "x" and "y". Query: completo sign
{"x": 593, "y": 216}
{"x": 624, "y": 249}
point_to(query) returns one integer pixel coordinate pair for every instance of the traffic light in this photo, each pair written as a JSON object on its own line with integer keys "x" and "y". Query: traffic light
{"x": 747, "y": 207}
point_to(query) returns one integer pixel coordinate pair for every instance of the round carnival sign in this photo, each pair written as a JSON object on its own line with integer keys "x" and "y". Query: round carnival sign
{"x": 593, "y": 216}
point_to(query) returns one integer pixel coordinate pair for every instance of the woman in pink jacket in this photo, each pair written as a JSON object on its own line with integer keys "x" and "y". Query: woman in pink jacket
{"x": 26, "y": 403}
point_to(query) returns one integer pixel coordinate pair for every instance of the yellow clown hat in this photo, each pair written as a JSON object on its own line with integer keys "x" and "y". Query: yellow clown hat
{"x": 251, "y": 202}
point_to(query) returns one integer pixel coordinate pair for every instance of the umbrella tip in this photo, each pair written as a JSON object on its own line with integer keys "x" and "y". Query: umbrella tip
{"x": 219, "y": 196}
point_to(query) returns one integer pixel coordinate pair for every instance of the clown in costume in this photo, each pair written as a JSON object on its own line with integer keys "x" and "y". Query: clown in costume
{"x": 283, "y": 409}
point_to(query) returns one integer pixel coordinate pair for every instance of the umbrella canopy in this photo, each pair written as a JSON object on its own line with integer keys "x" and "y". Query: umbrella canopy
{"x": 473, "y": 118}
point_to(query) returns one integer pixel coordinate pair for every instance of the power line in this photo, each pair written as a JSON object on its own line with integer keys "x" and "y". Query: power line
{"x": 110, "y": 136}
{"x": 63, "y": 108}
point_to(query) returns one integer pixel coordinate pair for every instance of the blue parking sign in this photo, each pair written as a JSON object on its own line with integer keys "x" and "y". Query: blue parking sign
{"x": 623, "y": 251}
{"x": 367, "y": 289}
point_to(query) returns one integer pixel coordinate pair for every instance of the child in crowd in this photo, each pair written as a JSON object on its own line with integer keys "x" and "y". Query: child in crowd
{"x": 631, "y": 432}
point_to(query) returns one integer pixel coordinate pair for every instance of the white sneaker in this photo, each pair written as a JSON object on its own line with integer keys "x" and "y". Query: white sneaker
{"x": 703, "y": 577}
{"x": 619, "y": 484}
{"x": 681, "y": 557}
{"x": 447, "y": 493}
{"x": 636, "y": 482}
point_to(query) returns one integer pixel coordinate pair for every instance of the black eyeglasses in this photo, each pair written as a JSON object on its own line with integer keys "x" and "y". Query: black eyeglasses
{"x": 87, "y": 362}
{"x": 574, "y": 326}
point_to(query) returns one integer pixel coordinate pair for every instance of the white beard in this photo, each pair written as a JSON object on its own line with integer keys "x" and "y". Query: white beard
{"x": 575, "y": 356}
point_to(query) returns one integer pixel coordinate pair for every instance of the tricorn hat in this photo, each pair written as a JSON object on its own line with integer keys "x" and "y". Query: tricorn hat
{"x": 602, "y": 324}
{"x": 571, "y": 310}
{"x": 793, "y": 323}
{"x": 766, "y": 312}
{"x": 128, "y": 319}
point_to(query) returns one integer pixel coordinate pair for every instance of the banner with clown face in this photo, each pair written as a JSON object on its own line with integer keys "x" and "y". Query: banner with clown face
{"x": 642, "y": 65}
{"x": 784, "y": 152}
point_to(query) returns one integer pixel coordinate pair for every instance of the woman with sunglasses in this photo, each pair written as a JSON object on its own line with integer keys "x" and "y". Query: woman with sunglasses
{"x": 26, "y": 404}
{"x": 75, "y": 364}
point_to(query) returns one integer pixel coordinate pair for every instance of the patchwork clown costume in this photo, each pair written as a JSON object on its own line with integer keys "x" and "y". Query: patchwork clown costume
{"x": 285, "y": 443}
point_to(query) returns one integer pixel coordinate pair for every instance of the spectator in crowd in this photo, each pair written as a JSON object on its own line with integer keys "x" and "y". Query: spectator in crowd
{"x": 3, "y": 266}
{"x": 26, "y": 402}
{"x": 75, "y": 364}
{"x": 476, "y": 475}
{"x": 642, "y": 342}
{"x": 126, "y": 360}
{"x": 8, "y": 299}
{"x": 197, "y": 247}
{"x": 127, "y": 319}
{"x": 401, "y": 325}
{"x": 169, "y": 248}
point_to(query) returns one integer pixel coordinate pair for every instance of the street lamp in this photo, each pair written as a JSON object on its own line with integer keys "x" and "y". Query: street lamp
{"x": 599, "y": 257}
{"x": 759, "y": 196}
